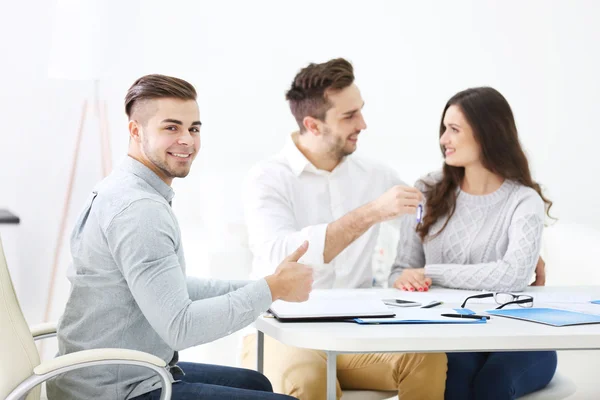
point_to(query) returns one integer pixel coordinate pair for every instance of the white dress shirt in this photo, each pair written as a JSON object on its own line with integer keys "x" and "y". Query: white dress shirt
{"x": 288, "y": 200}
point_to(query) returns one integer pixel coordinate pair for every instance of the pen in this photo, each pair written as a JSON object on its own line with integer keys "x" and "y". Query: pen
{"x": 432, "y": 304}
{"x": 419, "y": 213}
{"x": 472, "y": 316}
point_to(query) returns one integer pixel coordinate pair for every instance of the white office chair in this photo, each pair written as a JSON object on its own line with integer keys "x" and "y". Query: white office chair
{"x": 20, "y": 369}
{"x": 571, "y": 252}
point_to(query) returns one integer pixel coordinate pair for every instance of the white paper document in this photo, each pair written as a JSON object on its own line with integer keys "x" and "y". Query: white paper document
{"x": 332, "y": 305}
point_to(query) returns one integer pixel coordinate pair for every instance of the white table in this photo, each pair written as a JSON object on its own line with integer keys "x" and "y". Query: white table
{"x": 498, "y": 334}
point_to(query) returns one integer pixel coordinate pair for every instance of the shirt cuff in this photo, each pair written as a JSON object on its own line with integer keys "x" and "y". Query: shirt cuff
{"x": 260, "y": 296}
{"x": 392, "y": 278}
{"x": 315, "y": 235}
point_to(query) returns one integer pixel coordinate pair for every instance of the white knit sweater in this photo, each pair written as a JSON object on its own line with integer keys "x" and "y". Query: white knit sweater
{"x": 492, "y": 242}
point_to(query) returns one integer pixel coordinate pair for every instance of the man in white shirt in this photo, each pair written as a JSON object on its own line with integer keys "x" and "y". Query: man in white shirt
{"x": 315, "y": 190}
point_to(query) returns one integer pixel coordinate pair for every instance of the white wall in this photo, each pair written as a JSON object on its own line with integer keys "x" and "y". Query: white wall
{"x": 409, "y": 57}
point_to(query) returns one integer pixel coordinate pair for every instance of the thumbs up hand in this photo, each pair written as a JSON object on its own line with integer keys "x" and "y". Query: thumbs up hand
{"x": 292, "y": 281}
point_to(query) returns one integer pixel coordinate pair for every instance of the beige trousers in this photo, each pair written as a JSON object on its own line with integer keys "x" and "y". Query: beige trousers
{"x": 302, "y": 373}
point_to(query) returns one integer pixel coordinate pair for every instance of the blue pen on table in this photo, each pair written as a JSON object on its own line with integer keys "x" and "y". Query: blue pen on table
{"x": 433, "y": 304}
{"x": 471, "y": 316}
{"x": 419, "y": 213}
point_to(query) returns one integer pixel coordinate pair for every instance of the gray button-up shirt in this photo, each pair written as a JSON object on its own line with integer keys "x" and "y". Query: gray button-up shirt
{"x": 129, "y": 289}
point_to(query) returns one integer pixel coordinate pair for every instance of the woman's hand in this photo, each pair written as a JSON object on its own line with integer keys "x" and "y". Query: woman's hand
{"x": 540, "y": 273}
{"x": 413, "y": 279}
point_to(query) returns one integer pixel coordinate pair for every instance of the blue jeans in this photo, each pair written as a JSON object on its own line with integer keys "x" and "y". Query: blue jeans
{"x": 215, "y": 382}
{"x": 498, "y": 376}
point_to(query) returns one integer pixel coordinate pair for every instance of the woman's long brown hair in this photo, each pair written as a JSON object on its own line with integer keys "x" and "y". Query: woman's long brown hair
{"x": 491, "y": 119}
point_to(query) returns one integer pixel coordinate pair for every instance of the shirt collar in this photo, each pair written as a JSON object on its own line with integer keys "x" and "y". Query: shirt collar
{"x": 299, "y": 163}
{"x": 138, "y": 169}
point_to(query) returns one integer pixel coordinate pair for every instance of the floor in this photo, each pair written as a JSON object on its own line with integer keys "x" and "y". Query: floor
{"x": 582, "y": 368}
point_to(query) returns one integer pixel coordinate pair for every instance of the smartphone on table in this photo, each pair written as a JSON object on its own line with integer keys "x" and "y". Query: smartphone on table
{"x": 401, "y": 303}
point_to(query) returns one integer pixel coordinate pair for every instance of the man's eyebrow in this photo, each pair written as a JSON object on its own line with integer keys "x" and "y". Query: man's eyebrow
{"x": 355, "y": 110}
{"x": 172, "y": 121}
{"x": 178, "y": 122}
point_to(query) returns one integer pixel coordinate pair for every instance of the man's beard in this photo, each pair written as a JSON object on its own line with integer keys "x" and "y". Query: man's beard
{"x": 336, "y": 145}
{"x": 162, "y": 165}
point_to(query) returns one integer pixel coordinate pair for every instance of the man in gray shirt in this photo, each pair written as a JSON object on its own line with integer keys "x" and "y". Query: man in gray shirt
{"x": 129, "y": 289}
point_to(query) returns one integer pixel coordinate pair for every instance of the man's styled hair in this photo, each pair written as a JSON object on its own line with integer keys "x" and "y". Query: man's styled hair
{"x": 156, "y": 86}
{"x": 311, "y": 86}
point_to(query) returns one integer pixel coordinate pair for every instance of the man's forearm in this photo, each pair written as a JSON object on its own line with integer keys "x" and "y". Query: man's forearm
{"x": 342, "y": 232}
{"x": 199, "y": 288}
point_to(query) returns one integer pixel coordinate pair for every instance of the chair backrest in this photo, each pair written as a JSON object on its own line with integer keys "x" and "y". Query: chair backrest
{"x": 571, "y": 252}
{"x": 19, "y": 353}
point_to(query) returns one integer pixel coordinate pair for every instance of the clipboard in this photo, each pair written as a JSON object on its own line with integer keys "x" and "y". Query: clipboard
{"x": 322, "y": 309}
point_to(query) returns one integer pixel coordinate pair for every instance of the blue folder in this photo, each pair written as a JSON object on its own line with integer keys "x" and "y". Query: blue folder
{"x": 396, "y": 321}
{"x": 548, "y": 316}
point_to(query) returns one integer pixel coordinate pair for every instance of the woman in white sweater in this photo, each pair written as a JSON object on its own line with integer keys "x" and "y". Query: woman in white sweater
{"x": 481, "y": 229}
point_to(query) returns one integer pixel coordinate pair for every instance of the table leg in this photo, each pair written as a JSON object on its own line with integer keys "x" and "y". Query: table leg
{"x": 331, "y": 374}
{"x": 260, "y": 350}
